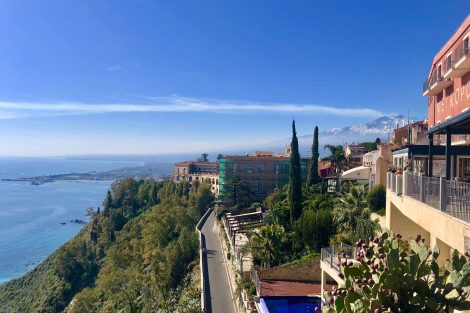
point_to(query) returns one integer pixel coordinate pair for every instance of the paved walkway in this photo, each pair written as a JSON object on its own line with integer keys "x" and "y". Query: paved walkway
{"x": 221, "y": 296}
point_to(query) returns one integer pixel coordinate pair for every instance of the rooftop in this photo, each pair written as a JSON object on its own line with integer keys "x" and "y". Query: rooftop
{"x": 290, "y": 288}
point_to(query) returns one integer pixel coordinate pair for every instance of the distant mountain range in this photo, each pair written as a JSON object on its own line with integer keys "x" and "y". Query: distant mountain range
{"x": 380, "y": 128}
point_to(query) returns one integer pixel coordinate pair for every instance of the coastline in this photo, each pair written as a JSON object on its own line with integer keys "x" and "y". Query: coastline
{"x": 34, "y": 226}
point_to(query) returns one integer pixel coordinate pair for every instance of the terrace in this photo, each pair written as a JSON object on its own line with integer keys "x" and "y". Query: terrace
{"x": 450, "y": 197}
{"x": 330, "y": 259}
{"x": 236, "y": 226}
{"x": 438, "y": 208}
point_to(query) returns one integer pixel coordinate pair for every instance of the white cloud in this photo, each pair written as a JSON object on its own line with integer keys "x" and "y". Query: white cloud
{"x": 176, "y": 104}
{"x": 114, "y": 67}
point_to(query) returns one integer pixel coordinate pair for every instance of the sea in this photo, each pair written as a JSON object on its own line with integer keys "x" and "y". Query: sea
{"x": 35, "y": 220}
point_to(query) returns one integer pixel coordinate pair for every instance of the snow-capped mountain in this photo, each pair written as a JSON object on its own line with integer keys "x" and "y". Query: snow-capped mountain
{"x": 379, "y": 128}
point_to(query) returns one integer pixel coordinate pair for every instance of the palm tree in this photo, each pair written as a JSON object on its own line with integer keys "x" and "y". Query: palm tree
{"x": 336, "y": 156}
{"x": 318, "y": 202}
{"x": 266, "y": 243}
{"x": 349, "y": 207}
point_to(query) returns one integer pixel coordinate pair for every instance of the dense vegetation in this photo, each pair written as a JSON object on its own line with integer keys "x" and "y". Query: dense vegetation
{"x": 303, "y": 218}
{"x": 133, "y": 256}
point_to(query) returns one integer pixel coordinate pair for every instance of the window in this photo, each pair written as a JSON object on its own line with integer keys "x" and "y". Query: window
{"x": 276, "y": 168}
{"x": 465, "y": 45}
{"x": 249, "y": 168}
{"x": 439, "y": 72}
{"x": 260, "y": 167}
{"x": 449, "y": 62}
{"x": 190, "y": 178}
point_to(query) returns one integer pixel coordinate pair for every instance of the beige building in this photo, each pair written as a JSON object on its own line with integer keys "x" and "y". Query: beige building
{"x": 374, "y": 167}
{"x": 411, "y": 134}
{"x": 200, "y": 171}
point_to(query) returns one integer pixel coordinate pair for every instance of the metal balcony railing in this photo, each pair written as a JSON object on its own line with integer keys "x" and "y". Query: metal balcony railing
{"x": 456, "y": 199}
{"x": 434, "y": 78}
{"x": 449, "y": 196}
{"x": 334, "y": 254}
{"x": 461, "y": 51}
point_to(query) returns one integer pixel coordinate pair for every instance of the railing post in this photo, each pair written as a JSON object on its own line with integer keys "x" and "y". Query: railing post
{"x": 331, "y": 255}
{"x": 442, "y": 200}
{"x": 403, "y": 185}
{"x": 421, "y": 187}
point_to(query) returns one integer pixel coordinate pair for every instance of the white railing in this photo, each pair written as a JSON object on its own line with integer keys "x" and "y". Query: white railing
{"x": 449, "y": 196}
{"x": 394, "y": 183}
{"x": 399, "y": 184}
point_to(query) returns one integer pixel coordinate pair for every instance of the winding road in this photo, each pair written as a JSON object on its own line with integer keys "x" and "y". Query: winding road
{"x": 220, "y": 293}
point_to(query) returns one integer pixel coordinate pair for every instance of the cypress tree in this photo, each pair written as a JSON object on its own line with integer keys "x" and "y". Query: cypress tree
{"x": 295, "y": 183}
{"x": 313, "y": 177}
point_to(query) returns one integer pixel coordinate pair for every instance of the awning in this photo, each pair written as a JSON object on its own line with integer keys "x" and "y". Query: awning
{"x": 459, "y": 124}
{"x": 357, "y": 173}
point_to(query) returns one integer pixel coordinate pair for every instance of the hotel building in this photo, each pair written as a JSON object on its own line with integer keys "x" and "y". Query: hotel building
{"x": 433, "y": 201}
{"x": 260, "y": 173}
{"x": 436, "y": 203}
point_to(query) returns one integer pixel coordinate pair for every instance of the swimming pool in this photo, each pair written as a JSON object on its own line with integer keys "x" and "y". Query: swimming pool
{"x": 289, "y": 304}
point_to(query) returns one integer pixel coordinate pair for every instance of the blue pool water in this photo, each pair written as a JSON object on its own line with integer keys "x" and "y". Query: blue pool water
{"x": 289, "y": 304}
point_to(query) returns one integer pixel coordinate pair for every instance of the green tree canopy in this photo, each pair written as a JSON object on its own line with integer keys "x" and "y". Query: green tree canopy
{"x": 295, "y": 183}
{"x": 313, "y": 177}
{"x": 376, "y": 198}
{"x": 336, "y": 157}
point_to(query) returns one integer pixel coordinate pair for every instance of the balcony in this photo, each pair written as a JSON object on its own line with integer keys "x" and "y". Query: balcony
{"x": 435, "y": 84}
{"x": 462, "y": 60}
{"x": 330, "y": 259}
{"x": 447, "y": 196}
{"x": 435, "y": 208}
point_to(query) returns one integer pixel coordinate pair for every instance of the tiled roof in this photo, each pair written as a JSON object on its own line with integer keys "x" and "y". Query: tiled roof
{"x": 290, "y": 288}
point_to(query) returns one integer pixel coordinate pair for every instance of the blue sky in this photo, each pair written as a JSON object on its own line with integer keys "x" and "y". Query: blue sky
{"x": 157, "y": 77}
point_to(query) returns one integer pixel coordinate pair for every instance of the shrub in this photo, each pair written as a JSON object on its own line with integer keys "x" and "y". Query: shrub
{"x": 376, "y": 198}
{"x": 365, "y": 227}
{"x": 392, "y": 275}
{"x": 316, "y": 228}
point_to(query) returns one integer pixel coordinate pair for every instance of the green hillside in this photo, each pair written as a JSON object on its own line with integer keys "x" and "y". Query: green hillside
{"x": 135, "y": 255}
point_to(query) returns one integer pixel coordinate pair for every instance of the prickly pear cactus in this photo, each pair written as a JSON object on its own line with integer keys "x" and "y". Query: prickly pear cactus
{"x": 394, "y": 275}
